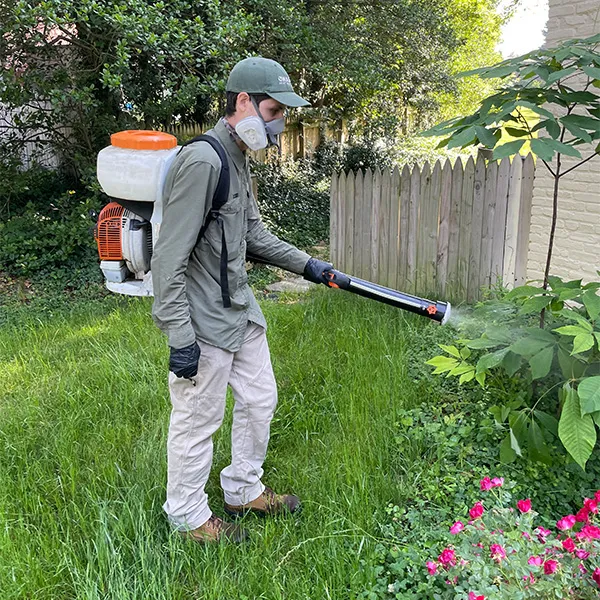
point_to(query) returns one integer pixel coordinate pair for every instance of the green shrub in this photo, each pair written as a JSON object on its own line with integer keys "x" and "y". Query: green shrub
{"x": 55, "y": 241}
{"x": 294, "y": 201}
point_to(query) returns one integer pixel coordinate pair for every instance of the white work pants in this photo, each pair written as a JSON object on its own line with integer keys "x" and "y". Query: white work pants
{"x": 197, "y": 413}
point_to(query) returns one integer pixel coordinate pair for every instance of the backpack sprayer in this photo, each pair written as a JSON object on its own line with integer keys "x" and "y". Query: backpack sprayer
{"x": 437, "y": 311}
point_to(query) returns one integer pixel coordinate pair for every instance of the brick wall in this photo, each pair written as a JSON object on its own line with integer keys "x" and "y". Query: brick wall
{"x": 577, "y": 240}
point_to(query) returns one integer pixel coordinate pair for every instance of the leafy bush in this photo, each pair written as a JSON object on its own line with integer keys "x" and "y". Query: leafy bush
{"x": 564, "y": 357}
{"x": 294, "y": 201}
{"x": 458, "y": 446}
{"x": 55, "y": 241}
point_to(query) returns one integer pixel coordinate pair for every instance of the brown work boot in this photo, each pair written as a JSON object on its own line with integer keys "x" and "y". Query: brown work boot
{"x": 267, "y": 504}
{"x": 215, "y": 530}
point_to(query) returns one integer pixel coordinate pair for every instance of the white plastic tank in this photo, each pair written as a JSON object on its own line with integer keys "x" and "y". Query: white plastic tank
{"x": 135, "y": 165}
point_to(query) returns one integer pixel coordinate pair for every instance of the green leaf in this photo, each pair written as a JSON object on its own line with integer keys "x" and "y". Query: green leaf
{"x": 589, "y": 395}
{"x": 557, "y": 75}
{"x": 489, "y": 361}
{"x": 582, "y": 121}
{"x": 466, "y": 137}
{"x": 481, "y": 344}
{"x": 591, "y": 301}
{"x": 563, "y": 148}
{"x": 529, "y": 346}
{"x": 461, "y": 369}
{"x": 548, "y": 421}
{"x": 576, "y": 432}
{"x": 542, "y": 149}
{"x": 514, "y": 444}
{"x": 538, "y": 450}
{"x": 536, "y": 304}
{"x": 452, "y": 350}
{"x": 514, "y": 132}
{"x": 571, "y": 330}
{"x": 596, "y": 417}
{"x": 541, "y": 363}
{"x": 467, "y": 377}
{"x": 507, "y": 454}
{"x": 569, "y": 294}
{"x": 571, "y": 366}
{"x": 537, "y": 109}
{"x": 500, "y": 413}
{"x": 582, "y": 343}
{"x": 509, "y": 149}
{"x": 511, "y": 363}
{"x": 480, "y": 377}
{"x": 593, "y": 72}
{"x": 485, "y": 136}
{"x": 442, "y": 364}
{"x": 578, "y": 132}
{"x": 524, "y": 291}
{"x": 465, "y": 353}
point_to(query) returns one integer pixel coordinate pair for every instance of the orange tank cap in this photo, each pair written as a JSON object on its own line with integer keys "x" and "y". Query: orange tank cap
{"x": 140, "y": 139}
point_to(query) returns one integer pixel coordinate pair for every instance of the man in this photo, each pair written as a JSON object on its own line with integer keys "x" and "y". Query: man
{"x": 215, "y": 328}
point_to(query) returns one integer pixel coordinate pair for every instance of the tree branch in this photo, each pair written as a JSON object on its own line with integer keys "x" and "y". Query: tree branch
{"x": 578, "y": 165}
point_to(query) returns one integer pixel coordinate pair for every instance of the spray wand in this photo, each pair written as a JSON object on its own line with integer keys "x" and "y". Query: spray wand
{"x": 437, "y": 311}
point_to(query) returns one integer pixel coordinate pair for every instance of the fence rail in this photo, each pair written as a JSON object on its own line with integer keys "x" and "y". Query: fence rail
{"x": 451, "y": 230}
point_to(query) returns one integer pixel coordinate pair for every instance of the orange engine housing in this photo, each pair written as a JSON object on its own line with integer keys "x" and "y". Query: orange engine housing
{"x": 108, "y": 232}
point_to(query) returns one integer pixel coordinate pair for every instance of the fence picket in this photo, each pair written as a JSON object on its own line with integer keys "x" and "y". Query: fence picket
{"x": 500, "y": 220}
{"x": 528, "y": 175}
{"x": 384, "y": 181}
{"x": 394, "y": 230}
{"x": 413, "y": 228}
{"x": 487, "y": 230}
{"x": 452, "y": 290}
{"x": 352, "y": 183}
{"x": 444, "y": 228}
{"x": 512, "y": 221}
{"x": 405, "y": 194}
{"x": 466, "y": 223}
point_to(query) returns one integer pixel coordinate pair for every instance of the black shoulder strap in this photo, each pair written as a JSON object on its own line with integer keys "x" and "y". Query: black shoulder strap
{"x": 219, "y": 198}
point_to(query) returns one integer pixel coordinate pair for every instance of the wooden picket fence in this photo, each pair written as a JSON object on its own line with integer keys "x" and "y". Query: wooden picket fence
{"x": 450, "y": 230}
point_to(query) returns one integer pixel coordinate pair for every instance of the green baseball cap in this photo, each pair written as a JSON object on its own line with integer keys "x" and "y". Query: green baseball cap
{"x": 257, "y": 75}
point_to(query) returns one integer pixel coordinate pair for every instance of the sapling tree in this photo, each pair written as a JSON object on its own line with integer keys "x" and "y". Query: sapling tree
{"x": 561, "y": 85}
{"x": 562, "y": 356}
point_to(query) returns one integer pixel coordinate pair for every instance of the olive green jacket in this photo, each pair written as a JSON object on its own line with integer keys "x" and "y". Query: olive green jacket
{"x": 186, "y": 276}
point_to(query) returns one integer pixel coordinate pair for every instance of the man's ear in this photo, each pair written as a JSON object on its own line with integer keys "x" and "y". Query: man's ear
{"x": 242, "y": 102}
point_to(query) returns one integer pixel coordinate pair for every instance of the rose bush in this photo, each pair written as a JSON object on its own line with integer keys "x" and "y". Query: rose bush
{"x": 501, "y": 553}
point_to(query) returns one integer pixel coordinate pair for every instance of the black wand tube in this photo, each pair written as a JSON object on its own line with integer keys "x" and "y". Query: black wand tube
{"x": 437, "y": 311}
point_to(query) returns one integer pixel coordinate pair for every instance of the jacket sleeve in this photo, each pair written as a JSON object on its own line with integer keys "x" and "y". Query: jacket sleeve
{"x": 183, "y": 216}
{"x": 263, "y": 244}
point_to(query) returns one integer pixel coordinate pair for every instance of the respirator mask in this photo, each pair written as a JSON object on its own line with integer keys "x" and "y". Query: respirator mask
{"x": 256, "y": 133}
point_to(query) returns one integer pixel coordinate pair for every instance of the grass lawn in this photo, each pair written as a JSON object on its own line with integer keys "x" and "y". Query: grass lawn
{"x": 84, "y": 411}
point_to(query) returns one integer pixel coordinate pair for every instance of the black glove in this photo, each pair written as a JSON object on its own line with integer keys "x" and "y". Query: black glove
{"x": 314, "y": 269}
{"x": 184, "y": 361}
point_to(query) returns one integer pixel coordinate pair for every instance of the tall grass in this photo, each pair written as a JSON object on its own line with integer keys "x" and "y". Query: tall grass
{"x": 84, "y": 413}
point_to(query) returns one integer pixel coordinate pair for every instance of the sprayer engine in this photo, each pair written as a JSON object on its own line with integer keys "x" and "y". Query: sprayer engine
{"x": 124, "y": 244}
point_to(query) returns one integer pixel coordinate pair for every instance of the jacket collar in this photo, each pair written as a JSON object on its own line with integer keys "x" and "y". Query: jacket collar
{"x": 238, "y": 157}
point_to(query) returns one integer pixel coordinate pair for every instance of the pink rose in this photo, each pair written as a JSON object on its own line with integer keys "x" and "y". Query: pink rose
{"x": 447, "y": 557}
{"x": 550, "y": 566}
{"x": 497, "y": 552}
{"x": 583, "y": 515}
{"x": 457, "y": 528}
{"x": 589, "y": 532}
{"x": 498, "y": 482}
{"x": 582, "y": 568}
{"x": 485, "y": 484}
{"x": 566, "y": 522}
{"x": 597, "y": 496}
{"x": 529, "y": 578}
{"x": 569, "y": 545}
{"x": 432, "y": 567}
{"x": 477, "y": 511}
{"x": 526, "y": 535}
{"x": 582, "y": 554}
{"x": 591, "y": 505}
{"x": 596, "y": 575}
{"x": 542, "y": 534}
{"x": 524, "y": 505}
{"x": 473, "y": 596}
{"x": 535, "y": 561}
